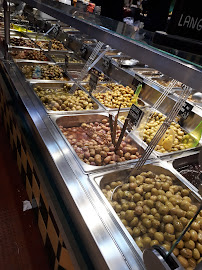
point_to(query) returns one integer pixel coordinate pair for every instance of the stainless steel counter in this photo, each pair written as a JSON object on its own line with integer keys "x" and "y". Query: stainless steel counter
{"x": 109, "y": 244}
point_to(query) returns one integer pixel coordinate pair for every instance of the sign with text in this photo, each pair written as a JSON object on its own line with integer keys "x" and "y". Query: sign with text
{"x": 83, "y": 50}
{"x": 135, "y": 115}
{"x": 106, "y": 64}
{"x": 185, "y": 110}
{"x": 186, "y": 19}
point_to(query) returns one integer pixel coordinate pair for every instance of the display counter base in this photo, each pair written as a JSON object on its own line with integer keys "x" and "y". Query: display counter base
{"x": 59, "y": 256}
{"x": 19, "y": 234}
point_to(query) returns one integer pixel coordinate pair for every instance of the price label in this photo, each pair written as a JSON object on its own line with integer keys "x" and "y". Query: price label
{"x": 93, "y": 81}
{"x": 49, "y": 45}
{"x": 135, "y": 115}
{"x": 56, "y": 30}
{"x": 66, "y": 61}
{"x": 106, "y": 64}
{"x": 185, "y": 110}
{"x": 83, "y": 50}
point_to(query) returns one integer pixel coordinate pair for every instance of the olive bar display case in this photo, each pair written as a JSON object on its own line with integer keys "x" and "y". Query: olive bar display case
{"x": 82, "y": 223}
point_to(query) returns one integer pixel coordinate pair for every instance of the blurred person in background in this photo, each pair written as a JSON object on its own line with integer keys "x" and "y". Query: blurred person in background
{"x": 156, "y": 12}
{"x": 111, "y": 8}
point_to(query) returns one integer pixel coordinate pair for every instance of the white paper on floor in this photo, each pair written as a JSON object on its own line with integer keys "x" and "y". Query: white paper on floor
{"x": 26, "y": 205}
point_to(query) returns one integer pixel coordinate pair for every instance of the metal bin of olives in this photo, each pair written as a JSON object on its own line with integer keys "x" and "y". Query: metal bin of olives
{"x": 59, "y": 58}
{"x": 89, "y": 138}
{"x": 154, "y": 205}
{"x": 176, "y": 139}
{"x": 21, "y": 42}
{"x": 111, "y": 95}
{"x": 37, "y": 36}
{"x": 56, "y": 99}
{"x": 55, "y": 45}
{"x": 29, "y": 54}
{"x": 42, "y": 71}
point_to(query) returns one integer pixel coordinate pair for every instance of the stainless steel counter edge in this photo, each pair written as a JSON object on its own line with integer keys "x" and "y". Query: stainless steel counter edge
{"x": 94, "y": 222}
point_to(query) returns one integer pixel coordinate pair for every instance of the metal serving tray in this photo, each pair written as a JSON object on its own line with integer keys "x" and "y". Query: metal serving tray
{"x": 142, "y": 103}
{"x": 17, "y": 34}
{"x": 157, "y": 167}
{"x": 182, "y": 164}
{"x": 59, "y": 58}
{"x": 49, "y": 59}
{"x": 158, "y": 80}
{"x": 178, "y": 91}
{"x": 77, "y": 120}
{"x": 38, "y": 36}
{"x": 46, "y": 50}
{"x": 34, "y": 63}
{"x": 56, "y": 86}
{"x": 173, "y": 154}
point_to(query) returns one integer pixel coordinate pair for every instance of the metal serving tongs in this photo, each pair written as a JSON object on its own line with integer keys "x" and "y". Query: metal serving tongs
{"x": 161, "y": 131}
{"x": 113, "y": 128}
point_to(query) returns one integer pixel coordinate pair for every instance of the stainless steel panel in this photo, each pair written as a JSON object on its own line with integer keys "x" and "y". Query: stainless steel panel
{"x": 57, "y": 86}
{"x": 77, "y": 120}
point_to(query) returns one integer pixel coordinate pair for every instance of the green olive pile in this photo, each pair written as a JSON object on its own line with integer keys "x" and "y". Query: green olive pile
{"x": 155, "y": 211}
{"x": 176, "y": 142}
{"x": 118, "y": 94}
{"x": 48, "y": 72}
{"x": 61, "y": 100}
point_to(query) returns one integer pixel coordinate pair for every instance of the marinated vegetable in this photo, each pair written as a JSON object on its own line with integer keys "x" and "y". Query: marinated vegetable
{"x": 155, "y": 210}
{"x": 92, "y": 143}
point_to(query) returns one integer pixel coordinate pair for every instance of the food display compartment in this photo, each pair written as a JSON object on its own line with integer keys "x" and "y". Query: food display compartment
{"x": 135, "y": 210}
{"x": 37, "y": 36}
{"x": 102, "y": 88}
{"x": 76, "y": 121}
{"x": 17, "y": 34}
{"x": 57, "y": 46}
{"x": 192, "y": 101}
{"x": 27, "y": 70}
{"x": 52, "y": 87}
{"x": 91, "y": 42}
{"x": 190, "y": 168}
{"x": 178, "y": 130}
{"x": 23, "y": 54}
{"x": 59, "y": 58}
{"x": 148, "y": 72}
{"x": 69, "y": 30}
{"x": 113, "y": 52}
{"x": 165, "y": 81}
